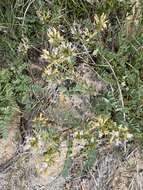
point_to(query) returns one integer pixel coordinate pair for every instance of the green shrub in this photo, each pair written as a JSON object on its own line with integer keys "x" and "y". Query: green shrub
{"x": 105, "y": 36}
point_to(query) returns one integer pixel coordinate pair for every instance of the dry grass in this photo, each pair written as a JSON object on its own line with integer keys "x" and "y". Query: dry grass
{"x": 113, "y": 170}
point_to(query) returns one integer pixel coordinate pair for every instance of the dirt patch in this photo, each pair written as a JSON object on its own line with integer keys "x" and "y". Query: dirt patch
{"x": 9, "y": 145}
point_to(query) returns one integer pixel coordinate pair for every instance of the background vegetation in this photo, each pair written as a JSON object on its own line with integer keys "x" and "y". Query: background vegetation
{"x": 56, "y": 37}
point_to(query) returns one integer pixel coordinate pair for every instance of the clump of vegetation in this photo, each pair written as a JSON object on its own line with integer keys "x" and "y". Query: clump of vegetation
{"x": 57, "y": 37}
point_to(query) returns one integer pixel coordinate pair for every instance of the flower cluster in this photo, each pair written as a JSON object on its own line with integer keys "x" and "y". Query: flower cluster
{"x": 117, "y": 134}
{"x": 40, "y": 120}
{"x": 44, "y": 16}
{"x": 23, "y": 45}
{"x": 54, "y": 37}
{"x": 85, "y": 33}
{"x": 46, "y": 144}
{"x": 59, "y": 56}
{"x": 101, "y": 22}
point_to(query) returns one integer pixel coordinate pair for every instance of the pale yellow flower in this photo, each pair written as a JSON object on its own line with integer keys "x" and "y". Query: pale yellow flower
{"x": 23, "y": 45}
{"x": 129, "y": 136}
{"x": 54, "y": 36}
{"x": 48, "y": 71}
{"x": 101, "y": 21}
{"x": 40, "y": 119}
{"x": 45, "y": 54}
{"x": 43, "y": 16}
